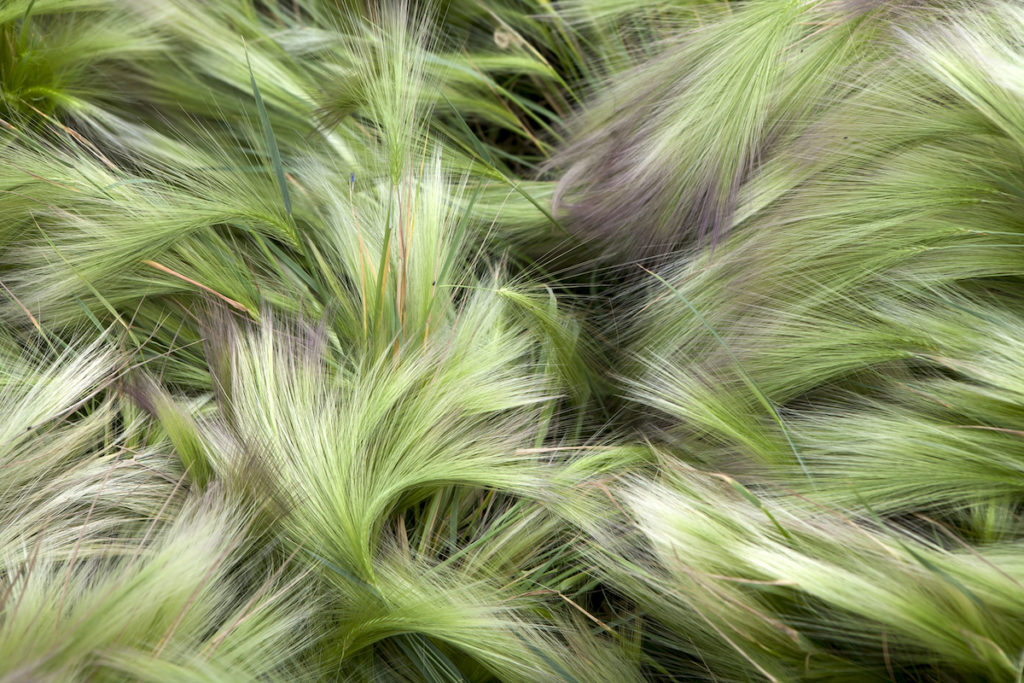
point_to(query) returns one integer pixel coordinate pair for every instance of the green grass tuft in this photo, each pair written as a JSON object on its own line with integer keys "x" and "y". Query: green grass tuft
{"x": 512, "y": 340}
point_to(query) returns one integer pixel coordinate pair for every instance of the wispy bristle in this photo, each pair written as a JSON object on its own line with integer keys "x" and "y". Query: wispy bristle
{"x": 512, "y": 341}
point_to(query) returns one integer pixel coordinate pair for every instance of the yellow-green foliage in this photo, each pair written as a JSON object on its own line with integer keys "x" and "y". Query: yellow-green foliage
{"x": 511, "y": 340}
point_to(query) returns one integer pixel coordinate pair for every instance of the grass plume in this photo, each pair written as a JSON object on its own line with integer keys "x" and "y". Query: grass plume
{"x": 511, "y": 340}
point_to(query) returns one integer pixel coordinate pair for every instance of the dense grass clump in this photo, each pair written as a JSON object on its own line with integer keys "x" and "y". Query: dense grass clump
{"x": 512, "y": 340}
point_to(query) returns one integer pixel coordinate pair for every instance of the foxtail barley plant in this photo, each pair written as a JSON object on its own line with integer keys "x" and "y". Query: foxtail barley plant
{"x": 512, "y": 340}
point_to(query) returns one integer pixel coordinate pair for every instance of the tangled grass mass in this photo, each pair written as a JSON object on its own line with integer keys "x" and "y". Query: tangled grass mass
{"x": 512, "y": 340}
